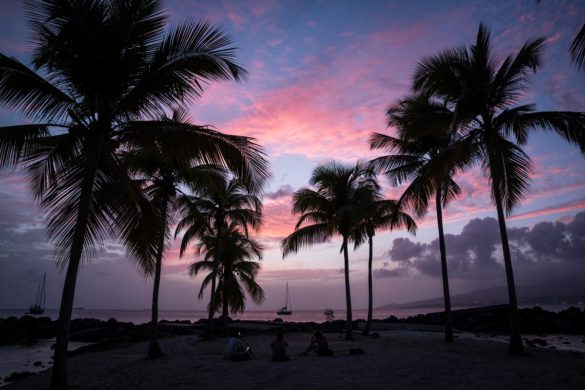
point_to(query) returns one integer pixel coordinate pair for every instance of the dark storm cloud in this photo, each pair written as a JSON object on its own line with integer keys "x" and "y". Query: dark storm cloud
{"x": 283, "y": 191}
{"x": 476, "y": 252}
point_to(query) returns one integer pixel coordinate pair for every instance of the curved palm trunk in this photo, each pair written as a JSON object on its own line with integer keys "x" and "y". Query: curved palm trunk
{"x": 154, "y": 350}
{"x": 59, "y": 374}
{"x": 370, "y": 287}
{"x": 446, "y": 293}
{"x": 515, "y": 347}
{"x": 349, "y": 321}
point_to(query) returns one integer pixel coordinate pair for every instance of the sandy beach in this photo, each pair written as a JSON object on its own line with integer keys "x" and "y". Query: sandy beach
{"x": 398, "y": 359}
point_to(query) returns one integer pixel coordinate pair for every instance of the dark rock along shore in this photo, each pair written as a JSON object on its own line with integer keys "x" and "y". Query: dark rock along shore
{"x": 27, "y": 329}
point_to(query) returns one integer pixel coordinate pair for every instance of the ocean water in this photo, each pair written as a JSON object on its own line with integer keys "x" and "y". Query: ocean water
{"x": 143, "y": 316}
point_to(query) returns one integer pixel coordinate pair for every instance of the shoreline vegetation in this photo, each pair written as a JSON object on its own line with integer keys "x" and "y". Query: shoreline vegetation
{"x": 416, "y": 338}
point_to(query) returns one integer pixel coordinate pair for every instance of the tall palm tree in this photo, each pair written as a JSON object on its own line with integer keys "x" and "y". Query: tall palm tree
{"x": 98, "y": 67}
{"x": 212, "y": 208}
{"x": 380, "y": 214}
{"x": 425, "y": 134}
{"x": 236, "y": 272}
{"x": 165, "y": 157}
{"x": 332, "y": 207}
{"x": 483, "y": 93}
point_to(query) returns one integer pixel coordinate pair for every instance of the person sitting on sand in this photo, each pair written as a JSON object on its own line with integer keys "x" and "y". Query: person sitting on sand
{"x": 319, "y": 345}
{"x": 279, "y": 348}
{"x": 237, "y": 350}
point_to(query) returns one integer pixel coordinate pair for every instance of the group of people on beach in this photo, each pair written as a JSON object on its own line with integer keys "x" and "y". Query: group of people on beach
{"x": 238, "y": 350}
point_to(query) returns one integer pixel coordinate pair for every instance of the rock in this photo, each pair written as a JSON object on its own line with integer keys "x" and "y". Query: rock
{"x": 535, "y": 342}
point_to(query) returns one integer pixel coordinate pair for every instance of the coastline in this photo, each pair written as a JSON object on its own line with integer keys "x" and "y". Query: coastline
{"x": 484, "y": 324}
{"x": 398, "y": 359}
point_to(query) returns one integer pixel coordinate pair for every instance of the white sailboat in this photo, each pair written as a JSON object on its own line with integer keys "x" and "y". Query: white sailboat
{"x": 39, "y": 306}
{"x": 286, "y": 310}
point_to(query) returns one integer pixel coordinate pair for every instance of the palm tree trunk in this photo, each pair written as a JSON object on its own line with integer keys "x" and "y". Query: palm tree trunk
{"x": 59, "y": 374}
{"x": 225, "y": 305}
{"x": 515, "y": 347}
{"x": 213, "y": 283}
{"x": 349, "y": 322}
{"x": 154, "y": 350}
{"x": 370, "y": 288}
{"x": 446, "y": 293}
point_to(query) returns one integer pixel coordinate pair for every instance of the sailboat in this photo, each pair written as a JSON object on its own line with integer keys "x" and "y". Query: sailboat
{"x": 286, "y": 310}
{"x": 39, "y": 306}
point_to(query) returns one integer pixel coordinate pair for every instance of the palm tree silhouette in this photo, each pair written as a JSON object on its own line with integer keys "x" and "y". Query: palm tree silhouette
{"x": 425, "y": 134}
{"x": 236, "y": 272}
{"x": 333, "y": 207}
{"x": 379, "y": 214}
{"x": 482, "y": 93}
{"x": 212, "y": 208}
{"x": 164, "y": 157}
{"x": 96, "y": 67}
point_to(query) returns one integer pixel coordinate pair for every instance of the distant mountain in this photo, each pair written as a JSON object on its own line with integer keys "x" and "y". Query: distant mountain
{"x": 551, "y": 292}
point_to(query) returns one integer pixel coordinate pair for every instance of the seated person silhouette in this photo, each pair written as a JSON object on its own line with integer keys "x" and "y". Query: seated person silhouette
{"x": 238, "y": 350}
{"x": 278, "y": 347}
{"x": 319, "y": 345}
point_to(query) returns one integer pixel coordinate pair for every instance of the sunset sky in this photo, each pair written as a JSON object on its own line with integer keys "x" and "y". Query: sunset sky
{"x": 321, "y": 76}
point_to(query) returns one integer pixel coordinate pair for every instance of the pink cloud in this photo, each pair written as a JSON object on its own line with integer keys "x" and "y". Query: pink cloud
{"x": 575, "y": 206}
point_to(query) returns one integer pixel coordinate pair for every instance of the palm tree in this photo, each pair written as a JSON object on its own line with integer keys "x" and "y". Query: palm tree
{"x": 163, "y": 158}
{"x": 333, "y": 207}
{"x": 211, "y": 209}
{"x": 380, "y": 213}
{"x": 425, "y": 133}
{"x": 483, "y": 92}
{"x": 236, "y": 272}
{"x": 98, "y": 67}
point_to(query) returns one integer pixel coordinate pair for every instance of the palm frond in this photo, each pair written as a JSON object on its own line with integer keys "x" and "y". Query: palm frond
{"x": 577, "y": 49}
{"x": 190, "y": 56}
{"x": 15, "y": 143}
{"x": 568, "y": 125}
{"x": 26, "y": 92}
{"x": 307, "y": 236}
{"x": 508, "y": 169}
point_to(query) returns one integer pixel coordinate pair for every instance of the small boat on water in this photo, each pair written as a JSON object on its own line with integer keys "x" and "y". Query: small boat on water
{"x": 39, "y": 305}
{"x": 286, "y": 310}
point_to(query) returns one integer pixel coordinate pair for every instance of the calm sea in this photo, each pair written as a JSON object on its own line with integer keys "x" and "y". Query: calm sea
{"x": 143, "y": 316}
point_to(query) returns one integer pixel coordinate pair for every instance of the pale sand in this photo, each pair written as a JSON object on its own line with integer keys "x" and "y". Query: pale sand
{"x": 396, "y": 360}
